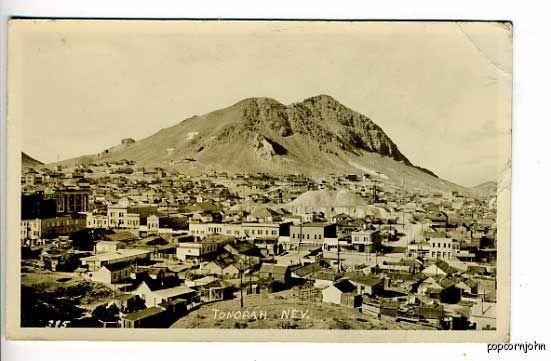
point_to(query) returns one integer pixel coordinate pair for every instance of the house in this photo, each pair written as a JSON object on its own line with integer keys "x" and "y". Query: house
{"x": 148, "y": 318}
{"x": 122, "y": 236}
{"x": 126, "y": 302}
{"x": 221, "y": 266}
{"x": 324, "y": 278}
{"x": 275, "y": 272}
{"x": 94, "y": 263}
{"x": 468, "y": 287}
{"x": 439, "y": 268}
{"x": 366, "y": 284}
{"x": 306, "y": 271}
{"x": 153, "y": 297}
{"x": 431, "y": 313}
{"x": 197, "y": 251}
{"x": 106, "y": 246}
{"x": 211, "y": 288}
{"x": 110, "y": 273}
{"x": 342, "y": 292}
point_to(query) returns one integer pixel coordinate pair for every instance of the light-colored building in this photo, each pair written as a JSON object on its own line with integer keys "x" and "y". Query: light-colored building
{"x": 342, "y": 292}
{"x": 312, "y": 233}
{"x": 155, "y": 297}
{"x": 119, "y": 217}
{"x": 111, "y": 273}
{"x": 249, "y": 231}
{"x": 196, "y": 251}
{"x": 97, "y": 221}
{"x": 94, "y": 263}
{"x": 435, "y": 248}
{"x": 106, "y": 246}
{"x": 363, "y": 240}
{"x": 51, "y": 227}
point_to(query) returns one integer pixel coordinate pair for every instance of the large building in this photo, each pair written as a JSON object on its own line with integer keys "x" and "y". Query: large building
{"x": 51, "y": 227}
{"x": 119, "y": 217}
{"x": 70, "y": 201}
{"x": 249, "y": 231}
{"x": 312, "y": 233}
{"x": 435, "y": 248}
{"x": 124, "y": 256}
{"x": 197, "y": 251}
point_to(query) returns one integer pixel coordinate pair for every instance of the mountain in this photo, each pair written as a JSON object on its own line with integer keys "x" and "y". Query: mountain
{"x": 486, "y": 188}
{"x": 29, "y": 162}
{"x": 316, "y": 136}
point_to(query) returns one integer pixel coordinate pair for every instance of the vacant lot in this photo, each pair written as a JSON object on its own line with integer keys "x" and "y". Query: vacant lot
{"x": 282, "y": 310}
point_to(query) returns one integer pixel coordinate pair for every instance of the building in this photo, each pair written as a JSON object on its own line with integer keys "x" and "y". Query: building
{"x": 51, "y": 227}
{"x": 435, "y": 248}
{"x": 150, "y": 317}
{"x": 275, "y": 272}
{"x": 443, "y": 248}
{"x": 154, "y": 297}
{"x": 152, "y": 224}
{"x": 70, "y": 200}
{"x": 119, "y": 217}
{"x": 312, "y": 233}
{"x": 128, "y": 256}
{"x": 363, "y": 240}
{"x": 111, "y": 273}
{"x": 34, "y": 206}
{"x": 106, "y": 246}
{"x": 197, "y": 251}
{"x": 249, "y": 231}
{"x": 97, "y": 221}
{"x": 342, "y": 292}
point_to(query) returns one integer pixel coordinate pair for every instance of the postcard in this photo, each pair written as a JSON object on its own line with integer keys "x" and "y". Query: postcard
{"x": 247, "y": 180}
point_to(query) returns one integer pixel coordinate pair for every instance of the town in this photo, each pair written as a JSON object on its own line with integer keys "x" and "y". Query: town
{"x": 111, "y": 244}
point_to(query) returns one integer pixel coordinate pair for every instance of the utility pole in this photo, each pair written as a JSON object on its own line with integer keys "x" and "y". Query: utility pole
{"x": 250, "y": 275}
{"x": 338, "y": 257}
{"x": 241, "y": 282}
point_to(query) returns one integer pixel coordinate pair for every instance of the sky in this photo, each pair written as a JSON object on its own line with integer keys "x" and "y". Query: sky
{"x": 441, "y": 91}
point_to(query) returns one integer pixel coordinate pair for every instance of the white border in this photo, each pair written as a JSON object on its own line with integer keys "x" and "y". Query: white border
{"x": 531, "y": 170}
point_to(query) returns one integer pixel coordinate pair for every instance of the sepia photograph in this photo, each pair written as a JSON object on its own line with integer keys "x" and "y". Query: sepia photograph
{"x": 324, "y": 181}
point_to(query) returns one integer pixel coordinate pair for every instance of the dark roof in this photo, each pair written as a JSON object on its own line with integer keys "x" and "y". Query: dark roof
{"x": 120, "y": 236}
{"x": 273, "y": 268}
{"x": 448, "y": 282}
{"x": 316, "y": 224}
{"x": 325, "y": 274}
{"x": 345, "y": 286}
{"x": 308, "y": 269}
{"x": 363, "y": 279}
{"x": 445, "y": 267}
{"x": 116, "y": 266}
{"x": 140, "y": 315}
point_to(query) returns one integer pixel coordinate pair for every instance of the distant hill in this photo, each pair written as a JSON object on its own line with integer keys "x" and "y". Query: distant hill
{"x": 486, "y": 188}
{"x": 314, "y": 137}
{"x": 29, "y": 162}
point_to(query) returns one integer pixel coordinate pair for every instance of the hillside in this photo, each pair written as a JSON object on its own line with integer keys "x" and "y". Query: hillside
{"x": 29, "y": 162}
{"x": 486, "y": 188}
{"x": 313, "y": 137}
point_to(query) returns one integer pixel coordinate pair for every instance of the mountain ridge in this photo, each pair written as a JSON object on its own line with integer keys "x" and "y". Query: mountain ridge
{"x": 28, "y": 162}
{"x": 316, "y": 136}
